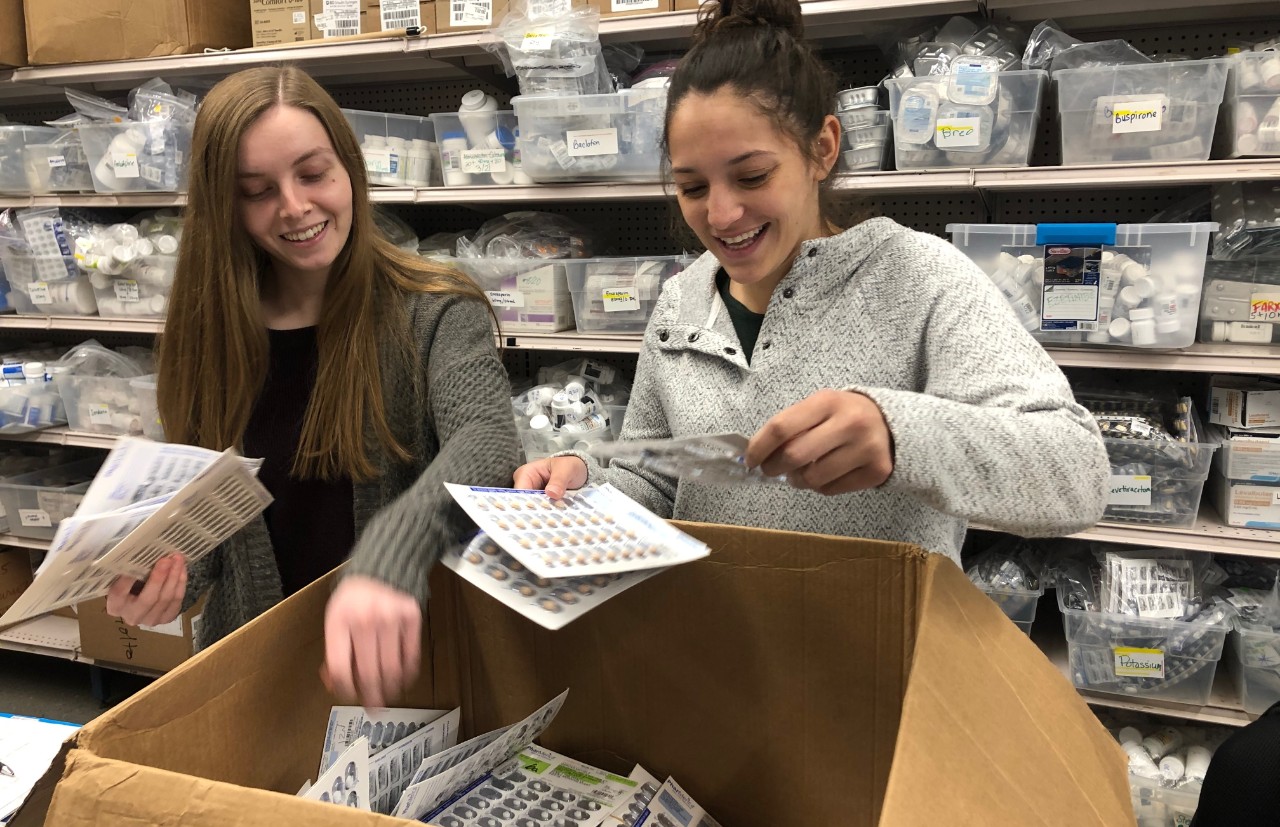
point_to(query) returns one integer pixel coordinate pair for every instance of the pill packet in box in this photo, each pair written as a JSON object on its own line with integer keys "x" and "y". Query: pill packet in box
{"x": 713, "y": 459}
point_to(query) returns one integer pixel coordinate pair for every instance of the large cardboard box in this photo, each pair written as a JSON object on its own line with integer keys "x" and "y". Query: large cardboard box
{"x": 630, "y": 8}
{"x": 1244, "y": 402}
{"x": 13, "y": 34}
{"x": 468, "y": 15}
{"x": 280, "y": 22}
{"x": 788, "y": 679}
{"x": 15, "y": 576}
{"x": 110, "y": 640}
{"x": 125, "y": 29}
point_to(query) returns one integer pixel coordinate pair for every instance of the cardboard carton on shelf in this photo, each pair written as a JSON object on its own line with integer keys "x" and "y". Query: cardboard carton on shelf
{"x": 111, "y": 641}
{"x": 13, "y": 35}
{"x": 129, "y": 29}
{"x": 15, "y": 575}
{"x": 786, "y": 679}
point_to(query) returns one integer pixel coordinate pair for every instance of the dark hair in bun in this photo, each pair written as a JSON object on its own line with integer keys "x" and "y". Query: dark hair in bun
{"x": 757, "y": 48}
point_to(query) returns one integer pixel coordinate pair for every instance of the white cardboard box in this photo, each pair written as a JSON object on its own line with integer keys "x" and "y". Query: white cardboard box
{"x": 1248, "y": 456}
{"x": 1244, "y": 403}
{"x": 1247, "y": 504}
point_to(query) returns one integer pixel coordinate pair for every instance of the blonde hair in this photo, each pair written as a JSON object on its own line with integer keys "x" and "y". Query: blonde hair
{"x": 213, "y": 354}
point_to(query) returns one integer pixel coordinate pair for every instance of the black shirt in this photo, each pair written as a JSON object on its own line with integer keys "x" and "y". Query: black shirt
{"x": 1242, "y": 787}
{"x": 746, "y": 322}
{"x": 311, "y": 522}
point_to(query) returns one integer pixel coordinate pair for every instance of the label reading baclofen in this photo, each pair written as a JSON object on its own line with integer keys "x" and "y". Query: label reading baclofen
{"x": 592, "y": 142}
{"x": 619, "y": 299}
{"x": 1138, "y": 663}
{"x": 484, "y": 161}
{"x": 126, "y": 290}
{"x": 99, "y": 414}
{"x": 1130, "y": 489}
{"x": 954, "y": 133}
{"x": 1264, "y": 307}
{"x": 1137, "y": 116}
{"x": 39, "y": 292}
{"x": 505, "y": 298}
{"x": 125, "y": 165}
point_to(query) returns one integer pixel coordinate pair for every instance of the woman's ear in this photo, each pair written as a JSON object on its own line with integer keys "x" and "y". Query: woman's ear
{"x": 827, "y": 145}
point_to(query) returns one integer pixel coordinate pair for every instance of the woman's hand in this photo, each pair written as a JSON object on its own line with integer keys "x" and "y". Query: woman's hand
{"x": 372, "y": 641}
{"x": 555, "y": 475}
{"x": 833, "y": 442}
{"x": 156, "y": 601}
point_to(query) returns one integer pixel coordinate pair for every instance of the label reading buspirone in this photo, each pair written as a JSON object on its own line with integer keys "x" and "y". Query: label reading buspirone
{"x": 1130, "y": 489}
{"x": 126, "y": 290}
{"x": 39, "y": 292}
{"x": 1137, "y": 116}
{"x": 1131, "y": 662}
{"x": 956, "y": 133}
{"x": 617, "y": 299}
{"x": 505, "y": 298}
{"x": 484, "y": 160}
{"x": 592, "y": 142}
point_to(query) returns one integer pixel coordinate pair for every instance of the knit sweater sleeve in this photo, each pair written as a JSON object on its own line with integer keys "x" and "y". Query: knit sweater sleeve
{"x": 995, "y": 435}
{"x": 469, "y": 403}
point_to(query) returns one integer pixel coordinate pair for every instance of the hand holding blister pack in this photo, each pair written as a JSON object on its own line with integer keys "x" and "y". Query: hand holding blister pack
{"x": 714, "y": 459}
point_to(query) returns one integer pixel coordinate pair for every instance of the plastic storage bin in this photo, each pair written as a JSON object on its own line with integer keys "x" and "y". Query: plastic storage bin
{"x": 864, "y": 139}
{"x": 592, "y": 137}
{"x": 140, "y": 292}
{"x": 1148, "y": 285}
{"x": 1178, "y": 473}
{"x": 1017, "y": 604}
{"x": 101, "y": 404}
{"x": 528, "y": 295}
{"x": 13, "y": 144}
{"x": 1157, "y": 806}
{"x": 617, "y": 295}
{"x": 478, "y": 148}
{"x": 1140, "y": 112}
{"x": 1189, "y": 652}
{"x": 35, "y": 503}
{"x": 1251, "y": 123}
{"x": 616, "y": 414}
{"x": 59, "y": 165}
{"x": 148, "y": 411}
{"x": 399, "y": 150}
{"x": 47, "y": 285}
{"x": 1248, "y": 213}
{"x": 1256, "y": 668}
{"x": 965, "y": 120}
{"x": 1240, "y": 302}
{"x": 26, "y": 408}
{"x": 133, "y": 157}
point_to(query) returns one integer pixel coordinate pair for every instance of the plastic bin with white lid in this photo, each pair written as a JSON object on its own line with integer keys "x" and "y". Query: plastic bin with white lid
{"x": 140, "y": 292}
{"x": 613, "y": 137}
{"x": 945, "y": 121}
{"x": 478, "y": 148}
{"x": 1019, "y": 605}
{"x": 58, "y": 165}
{"x": 13, "y": 143}
{"x": 399, "y": 150}
{"x": 617, "y": 295}
{"x": 1255, "y": 668}
{"x": 47, "y": 285}
{"x": 35, "y": 503}
{"x": 1187, "y": 654}
{"x": 33, "y": 407}
{"x": 136, "y": 157}
{"x": 1145, "y": 292}
{"x": 148, "y": 409}
{"x": 1251, "y": 108}
{"x": 528, "y": 294}
{"x": 1163, "y": 111}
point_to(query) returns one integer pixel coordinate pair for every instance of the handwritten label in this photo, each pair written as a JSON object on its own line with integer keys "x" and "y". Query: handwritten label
{"x": 1264, "y": 307}
{"x": 537, "y": 41}
{"x": 1137, "y": 116}
{"x": 484, "y": 161}
{"x": 1127, "y": 489}
{"x": 619, "y": 299}
{"x": 99, "y": 414}
{"x": 126, "y": 290}
{"x": 57, "y": 161}
{"x": 505, "y": 298}
{"x": 1139, "y": 663}
{"x": 954, "y": 133}
{"x": 35, "y": 518}
{"x": 39, "y": 292}
{"x": 378, "y": 161}
{"x": 592, "y": 142}
{"x": 125, "y": 165}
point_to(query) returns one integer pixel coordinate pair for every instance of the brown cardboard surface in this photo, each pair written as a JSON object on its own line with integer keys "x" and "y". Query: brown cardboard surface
{"x": 110, "y": 640}
{"x": 443, "y": 23}
{"x": 13, "y": 34}
{"x": 980, "y": 702}
{"x": 605, "y": 7}
{"x": 15, "y": 576}
{"x": 125, "y": 29}
{"x": 273, "y": 23}
{"x": 769, "y": 678}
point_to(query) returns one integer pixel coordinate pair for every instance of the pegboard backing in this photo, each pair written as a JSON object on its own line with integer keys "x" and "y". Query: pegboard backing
{"x": 522, "y": 365}
{"x": 1119, "y": 206}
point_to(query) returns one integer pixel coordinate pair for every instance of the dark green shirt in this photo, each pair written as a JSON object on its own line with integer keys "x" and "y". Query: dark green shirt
{"x": 746, "y": 322}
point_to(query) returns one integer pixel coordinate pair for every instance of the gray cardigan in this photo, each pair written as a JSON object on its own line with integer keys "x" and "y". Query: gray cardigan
{"x": 453, "y": 411}
{"x": 984, "y": 424}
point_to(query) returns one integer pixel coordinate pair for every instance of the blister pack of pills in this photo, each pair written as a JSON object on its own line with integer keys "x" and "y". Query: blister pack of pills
{"x": 591, "y": 531}
{"x": 714, "y": 459}
{"x": 550, "y": 602}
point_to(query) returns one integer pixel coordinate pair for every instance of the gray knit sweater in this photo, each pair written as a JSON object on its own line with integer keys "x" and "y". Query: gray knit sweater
{"x": 453, "y": 411}
{"x": 984, "y": 424}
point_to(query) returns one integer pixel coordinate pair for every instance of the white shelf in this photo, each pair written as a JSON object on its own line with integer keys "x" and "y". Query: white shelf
{"x": 1199, "y": 358}
{"x": 1110, "y": 13}
{"x": 23, "y": 542}
{"x": 46, "y": 635}
{"x": 571, "y": 340}
{"x": 65, "y": 436}
{"x": 1116, "y": 175}
{"x": 92, "y": 323}
{"x": 604, "y": 191}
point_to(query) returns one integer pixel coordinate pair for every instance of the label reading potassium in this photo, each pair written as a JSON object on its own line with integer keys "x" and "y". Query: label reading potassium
{"x": 1264, "y": 306}
{"x": 125, "y": 165}
{"x": 1137, "y": 116}
{"x": 39, "y": 292}
{"x": 618, "y": 299}
{"x": 57, "y": 161}
{"x": 505, "y": 298}
{"x": 957, "y": 133}
{"x": 99, "y": 414}
{"x": 484, "y": 161}
{"x": 35, "y": 518}
{"x": 592, "y": 142}
{"x": 1130, "y": 489}
{"x": 126, "y": 290}
{"x": 1139, "y": 663}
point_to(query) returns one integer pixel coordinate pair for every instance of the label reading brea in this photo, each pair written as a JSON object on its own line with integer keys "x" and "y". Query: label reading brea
{"x": 584, "y": 142}
{"x": 1137, "y": 116}
{"x": 617, "y": 299}
{"x": 1130, "y": 489}
{"x": 957, "y": 133}
{"x": 1139, "y": 663}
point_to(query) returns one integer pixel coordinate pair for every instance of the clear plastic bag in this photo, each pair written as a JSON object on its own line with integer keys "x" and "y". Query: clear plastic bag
{"x": 714, "y": 459}
{"x": 1154, "y": 583}
{"x": 395, "y": 229}
{"x": 528, "y": 234}
{"x": 1046, "y": 41}
{"x": 1102, "y": 53}
{"x": 1005, "y": 565}
{"x": 554, "y": 55}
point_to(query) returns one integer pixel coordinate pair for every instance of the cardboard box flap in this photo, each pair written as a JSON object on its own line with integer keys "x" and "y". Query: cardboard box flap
{"x": 770, "y": 670}
{"x": 97, "y": 791}
{"x": 991, "y": 733}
